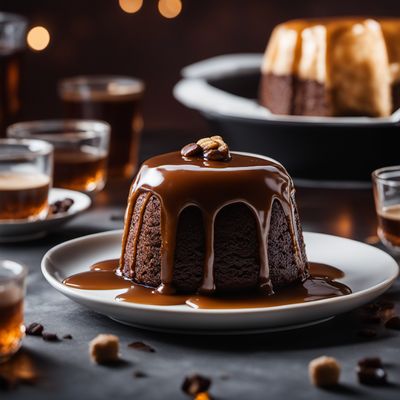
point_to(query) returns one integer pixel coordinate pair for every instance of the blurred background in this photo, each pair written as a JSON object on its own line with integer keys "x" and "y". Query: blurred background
{"x": 152, "y": 40}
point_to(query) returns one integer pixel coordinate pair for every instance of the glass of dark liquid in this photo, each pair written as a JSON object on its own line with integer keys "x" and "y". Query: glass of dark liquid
{"x": 12, "y": 43}
{"x": 26, "y": 169}
{"x": 12, "y": 293}
{"x": 386, "y": 186}
{"x": 116, "y": 100}
{"x": 80, "y": 150}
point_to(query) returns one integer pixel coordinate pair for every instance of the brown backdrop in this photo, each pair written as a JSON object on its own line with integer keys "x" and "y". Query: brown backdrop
{"x": 96, "y": 36}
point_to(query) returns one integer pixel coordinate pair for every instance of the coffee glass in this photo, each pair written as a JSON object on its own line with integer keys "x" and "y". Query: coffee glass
{"x": 12, "y": 293}
{"x": 26, "y": 168}
{"x": 116, "y": 100}
{"x": 12, "y": 44}
{"x": 80, "y": 150}
{"x": 386, "y": 187}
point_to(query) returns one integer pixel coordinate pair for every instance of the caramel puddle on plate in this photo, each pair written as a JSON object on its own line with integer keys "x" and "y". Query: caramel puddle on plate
{"x": 320, "y": 285}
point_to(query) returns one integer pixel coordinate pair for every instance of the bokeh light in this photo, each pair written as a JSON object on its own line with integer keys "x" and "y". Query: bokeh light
{"x": 38, "y": 38}
{"x": 131, "y": 6}
{"x": 169, "y": 8}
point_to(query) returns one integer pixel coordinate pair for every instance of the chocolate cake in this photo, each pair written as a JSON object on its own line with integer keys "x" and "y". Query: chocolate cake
{"x": 211, "y": 221}
{"x": 333, "y": 67}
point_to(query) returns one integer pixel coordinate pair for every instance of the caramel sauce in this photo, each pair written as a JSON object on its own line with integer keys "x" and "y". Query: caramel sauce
{"x": 181, "y": 182}
{"x": 319, "y": 285}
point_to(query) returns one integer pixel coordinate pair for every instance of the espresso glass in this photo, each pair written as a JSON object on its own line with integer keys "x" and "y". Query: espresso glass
{"x": 12, "y": 44}
{"x": 80, "y": 150}
{"x": 116, "y": 100}
{"x": 12, "y": 293}
{"x": 386, "y": 186}
{"x": 26, "y": 168}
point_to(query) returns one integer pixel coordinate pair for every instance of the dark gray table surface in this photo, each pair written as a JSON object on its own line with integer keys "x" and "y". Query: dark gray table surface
{"x": 263, "y": 366}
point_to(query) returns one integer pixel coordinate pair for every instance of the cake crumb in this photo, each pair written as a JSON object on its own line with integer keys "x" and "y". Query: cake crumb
{"x": 104, "y": 349}
{"x": 324, "y": 371}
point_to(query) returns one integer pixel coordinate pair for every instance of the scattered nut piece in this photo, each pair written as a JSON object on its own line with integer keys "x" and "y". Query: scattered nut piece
{"x": 34, "y": 329}
{"x": 393, "y": 323}
{"x": 324, "y": 371}
{"x": 141, "y": 347}
{"x": 68, "y": 336}
{"x": 61, "y": 206}
{"x": 104, "y": 349}
{"x": 370, "y": 371}
{"x": 379, "y": 311}
{"x": 50, "y": 337}
{"x": 370, "y": 362}
{"x": 191, "y": 149}
{"x": 139, "y": 374}
{"x": 196, "y": 384}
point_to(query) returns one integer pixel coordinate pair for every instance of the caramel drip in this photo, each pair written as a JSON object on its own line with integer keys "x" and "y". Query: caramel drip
{"x": 208, "y": 284}
{"x": 255, "y": 181}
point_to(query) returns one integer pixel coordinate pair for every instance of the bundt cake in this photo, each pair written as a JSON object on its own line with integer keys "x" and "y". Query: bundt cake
{"x": 205, "y": 220}
{"x": 333, "y": 67}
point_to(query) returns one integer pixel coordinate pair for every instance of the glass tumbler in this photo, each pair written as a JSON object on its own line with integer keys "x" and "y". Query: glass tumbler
{"x": 80, "y": 150}
{"x": 26, "y": 169}
{"x": 116, "y": 100}
{"x": 386, "y": 187}
{"x": 12, "y": 293}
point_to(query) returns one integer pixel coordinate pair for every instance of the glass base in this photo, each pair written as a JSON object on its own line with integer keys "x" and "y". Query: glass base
{"x": 395, "y": 250}
{"x": 6, "y": 357}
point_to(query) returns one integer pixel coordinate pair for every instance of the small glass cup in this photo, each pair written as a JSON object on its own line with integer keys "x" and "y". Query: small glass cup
{"x": 117, "y": 100}
{"x": 12, "y": 44}
{"x": 26, "y": 169}
{"x": 80, "y": 150}
{"x": 386, "y": 186}
{"x": 12, "y": 293}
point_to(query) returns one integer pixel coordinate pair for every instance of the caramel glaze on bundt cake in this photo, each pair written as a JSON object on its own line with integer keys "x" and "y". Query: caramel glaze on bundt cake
{"x": 212, "y": 226}
{"x": 333, "y": 67}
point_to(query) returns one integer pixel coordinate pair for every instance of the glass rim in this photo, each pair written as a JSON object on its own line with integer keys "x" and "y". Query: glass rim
{"x": 85, "y": 129}
{"x": 7, "y": 18}
{"x": 20, "y": 275}
{"x": 390, "y": 182}
{"x": 41, "y": 147}
{"x": 83, "y": 85}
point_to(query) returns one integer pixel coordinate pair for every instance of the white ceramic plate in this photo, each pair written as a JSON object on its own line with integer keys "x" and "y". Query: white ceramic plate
{"x": 26, "y": 230}
{"x": 195, "y": 92}
{"x": 368, "y": 272}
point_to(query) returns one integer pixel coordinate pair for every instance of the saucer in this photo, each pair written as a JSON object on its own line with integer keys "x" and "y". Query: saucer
{"x": 15, "y": 231}
{"x": 368, "y": 271}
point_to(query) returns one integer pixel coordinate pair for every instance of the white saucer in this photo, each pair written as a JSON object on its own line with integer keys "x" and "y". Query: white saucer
{"x": 368, "y": 272}
{"x": 26, "y": 230}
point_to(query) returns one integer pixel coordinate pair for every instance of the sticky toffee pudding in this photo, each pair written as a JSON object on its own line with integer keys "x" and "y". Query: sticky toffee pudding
{"x": 212, "y": 228}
